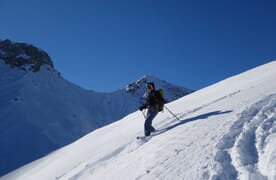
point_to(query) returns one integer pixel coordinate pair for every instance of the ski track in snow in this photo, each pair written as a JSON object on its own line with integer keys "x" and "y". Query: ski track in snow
{"x": 241, "y": 151}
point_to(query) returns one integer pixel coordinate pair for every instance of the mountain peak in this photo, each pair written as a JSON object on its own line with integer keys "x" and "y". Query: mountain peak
{"x": 140, "y": 83}
{"x": 24, "y": 56}
{"x": 171, "y": 91}
{"x": 150, "y": 78}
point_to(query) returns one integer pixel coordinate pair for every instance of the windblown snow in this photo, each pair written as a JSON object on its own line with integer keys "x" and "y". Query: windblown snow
{"x": 226, "y": 131}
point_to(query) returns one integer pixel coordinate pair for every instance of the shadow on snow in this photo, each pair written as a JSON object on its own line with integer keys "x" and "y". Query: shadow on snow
{"x": 184, "y": 121}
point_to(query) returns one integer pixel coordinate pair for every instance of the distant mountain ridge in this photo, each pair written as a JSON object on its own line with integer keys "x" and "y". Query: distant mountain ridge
{"x": 40, "y": 111}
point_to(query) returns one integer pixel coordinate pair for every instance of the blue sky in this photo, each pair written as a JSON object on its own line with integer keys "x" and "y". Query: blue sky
{"x": 104, "y": 45}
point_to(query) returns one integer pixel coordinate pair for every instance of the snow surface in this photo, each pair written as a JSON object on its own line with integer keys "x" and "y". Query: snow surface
{"x": 226, "y": 131}
{"x": 41, "y": 112}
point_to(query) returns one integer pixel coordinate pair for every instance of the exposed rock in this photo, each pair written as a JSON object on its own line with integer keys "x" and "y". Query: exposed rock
{"x": 24, "y": 56}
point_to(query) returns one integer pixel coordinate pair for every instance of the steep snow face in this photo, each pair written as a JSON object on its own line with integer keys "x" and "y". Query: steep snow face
{"x": 226, "y": 131}
{"x": 40, "y": 111}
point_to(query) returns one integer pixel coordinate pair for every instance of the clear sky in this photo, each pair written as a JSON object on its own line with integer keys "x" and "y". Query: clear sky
{"x": 103, "y": 45}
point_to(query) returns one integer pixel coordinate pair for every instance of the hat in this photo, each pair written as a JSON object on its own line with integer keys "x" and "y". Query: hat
{"x": 151, "y": 84}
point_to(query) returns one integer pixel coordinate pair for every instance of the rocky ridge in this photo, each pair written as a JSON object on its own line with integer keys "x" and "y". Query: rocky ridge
{"x": 24, "y": 56}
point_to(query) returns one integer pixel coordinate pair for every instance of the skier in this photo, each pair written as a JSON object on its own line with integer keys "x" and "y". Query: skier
{"x": 152, "y": 104}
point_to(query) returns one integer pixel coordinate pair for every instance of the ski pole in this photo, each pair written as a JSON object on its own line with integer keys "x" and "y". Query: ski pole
{"x": 144, "y": 114}
{"x": 172, "y": 113}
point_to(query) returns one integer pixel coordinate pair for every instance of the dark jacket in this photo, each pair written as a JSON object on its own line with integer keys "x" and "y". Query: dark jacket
{"x": 152, "y": 100}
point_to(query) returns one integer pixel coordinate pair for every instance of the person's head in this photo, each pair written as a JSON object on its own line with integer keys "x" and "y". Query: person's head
{"x": 150, "y": 86}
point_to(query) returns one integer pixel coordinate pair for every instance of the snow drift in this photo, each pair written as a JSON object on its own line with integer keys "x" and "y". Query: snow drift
{"x": 226, "y": 131}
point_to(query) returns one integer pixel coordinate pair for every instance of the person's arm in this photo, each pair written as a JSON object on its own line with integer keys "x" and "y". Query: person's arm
{"x": 143, "y": 107}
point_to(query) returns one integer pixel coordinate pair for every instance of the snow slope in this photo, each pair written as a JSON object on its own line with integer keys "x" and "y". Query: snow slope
{"x": 226, "y": 131}
{"x": 41, "y": 112}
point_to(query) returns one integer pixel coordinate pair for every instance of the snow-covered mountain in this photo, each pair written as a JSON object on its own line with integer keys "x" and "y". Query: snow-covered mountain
{"x": 40, "y": 111}
{"x": 226, "y": 131}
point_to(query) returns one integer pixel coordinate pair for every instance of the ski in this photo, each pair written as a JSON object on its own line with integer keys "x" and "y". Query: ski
{"x": 143, "y": 137}
{"x": 156, "y": 132}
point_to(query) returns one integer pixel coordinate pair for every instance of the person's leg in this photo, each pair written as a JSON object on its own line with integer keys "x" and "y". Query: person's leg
{"x": 150, "y": 116}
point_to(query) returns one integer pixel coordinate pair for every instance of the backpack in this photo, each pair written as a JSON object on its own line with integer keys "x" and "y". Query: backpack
{"x": 160, "y": 99}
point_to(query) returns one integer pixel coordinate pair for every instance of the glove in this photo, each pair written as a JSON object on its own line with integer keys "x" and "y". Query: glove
{"x": 142, "y": 107}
